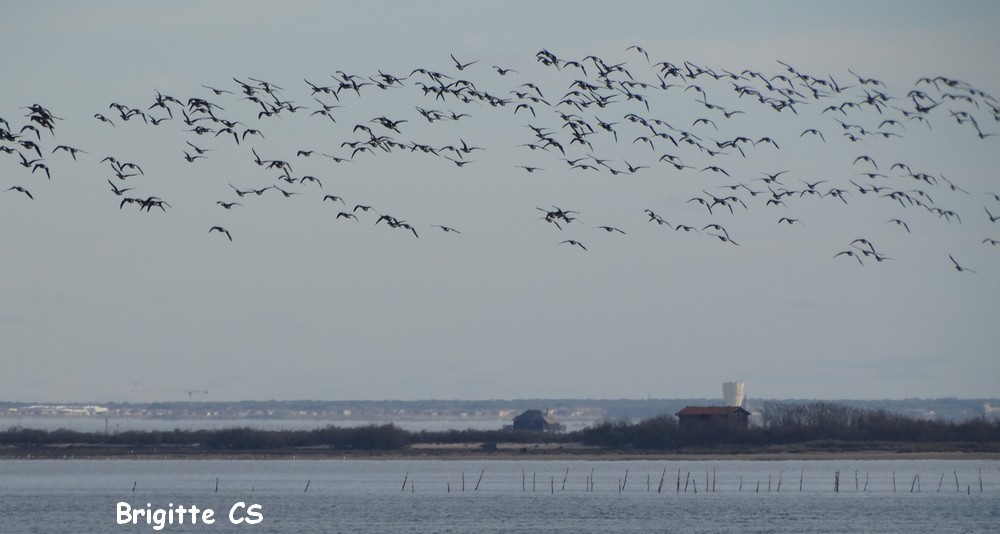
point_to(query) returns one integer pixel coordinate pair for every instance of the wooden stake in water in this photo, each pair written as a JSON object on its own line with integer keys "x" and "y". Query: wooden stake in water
{"x": 957, "y": 488}
{"x": 307, "y": 486}
{"x": 626, "y": 479}
{"x": 136, "y": 483}
{"x": 217, "y": 484}
{"x": 866, "y": 481}
{"x": 664, "y": 476}
{"x": 678, "y": 481}
{"x": 741, "y": 483}
{"x": 802, "y": 474}
{"x": 480, "y": 480}
{"x": 532, "y": 481}
{"x": 463, "y": 480}
{"x": 894, "y": 482}
{"x": 564, "y": 480}
{"x": 836, "y": 482}
{"x": 713, "y": 480}
{"x": 940, "y": 482}
{"x": 779, "y": 482}
{"x": 406, "y": 476}
{"x": 552, "y": 486}
{"x": 522, "y": 479}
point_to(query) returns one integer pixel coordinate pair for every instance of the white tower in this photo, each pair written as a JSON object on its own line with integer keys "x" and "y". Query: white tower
{"x": 733, "y": 393}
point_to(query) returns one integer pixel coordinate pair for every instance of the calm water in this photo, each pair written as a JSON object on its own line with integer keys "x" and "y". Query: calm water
{"x": 367, "y": 496}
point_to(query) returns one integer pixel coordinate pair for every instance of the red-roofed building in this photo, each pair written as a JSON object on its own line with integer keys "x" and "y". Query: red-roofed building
{"x": 692, "y": 417}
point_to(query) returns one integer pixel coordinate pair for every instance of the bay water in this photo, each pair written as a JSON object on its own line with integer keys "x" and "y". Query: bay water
{"x": 473, "y": 495}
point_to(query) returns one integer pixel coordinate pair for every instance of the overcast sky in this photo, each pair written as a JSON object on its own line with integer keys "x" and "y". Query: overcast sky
{"x": 106, "y": 303}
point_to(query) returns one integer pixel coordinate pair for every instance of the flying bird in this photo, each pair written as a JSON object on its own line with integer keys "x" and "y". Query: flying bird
{"x": 958, "y": 267}
{"x": 72, "y": 151}
{"x": 22, "y": 190}
{"x": 573, "y": 242}
{"x": 218, "y": 92}
{"x": 724, "y": 238}
{"x": 993, "y": 218}
{"x": 849, "y": 253}
{"x": 813, "y": 131}
{"x": 461, "y": 66}
{"x": 866, "y": 158}
{"x": 220, "y": 230}
{"x": 900, "y": 223}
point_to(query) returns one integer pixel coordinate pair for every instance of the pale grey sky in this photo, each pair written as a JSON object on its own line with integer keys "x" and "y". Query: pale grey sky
{"x": 99, "y": 303}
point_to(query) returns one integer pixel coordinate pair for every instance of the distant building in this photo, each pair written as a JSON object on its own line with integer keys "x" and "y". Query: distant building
{"x": 734, "y": 393}
{"x": 536, "y": 421}
{"x": 731, "y": 417}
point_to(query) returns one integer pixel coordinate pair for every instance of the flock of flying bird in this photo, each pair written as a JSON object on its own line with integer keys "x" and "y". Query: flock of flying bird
{"x": 596, "y": 112}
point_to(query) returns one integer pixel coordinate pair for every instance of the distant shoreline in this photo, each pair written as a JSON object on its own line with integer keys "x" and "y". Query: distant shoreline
{"x": 447, "y": 453}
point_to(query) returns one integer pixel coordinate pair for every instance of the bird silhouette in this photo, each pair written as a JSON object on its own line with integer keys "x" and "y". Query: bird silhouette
{"x": 220, "y": 230}
{"x": 22, "y": 190}
{"x": 850, "y": 253}
{"x": 461, "y": 66}
{"x": 573, "y": 242}
{"x": 900, "y": 223}
{"x": 72, "y": 151}
{"x": 958, "y": 267}
{"x": 724, "y": 238}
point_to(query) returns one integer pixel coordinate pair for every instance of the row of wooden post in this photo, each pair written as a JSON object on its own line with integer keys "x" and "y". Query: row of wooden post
{"x": 688, "y": 482}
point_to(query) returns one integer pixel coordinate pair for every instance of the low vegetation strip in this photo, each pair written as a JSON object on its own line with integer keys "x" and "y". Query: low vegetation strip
{"x": 786, "y": 427}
